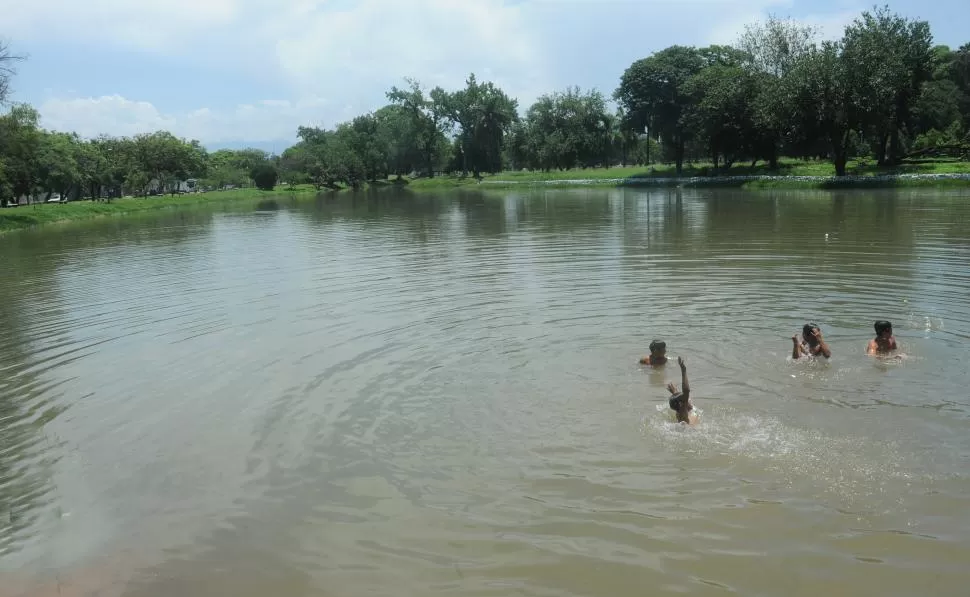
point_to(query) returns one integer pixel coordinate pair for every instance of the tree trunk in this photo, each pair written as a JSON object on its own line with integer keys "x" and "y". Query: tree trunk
{"x": 881, "y": 149}
{"x": 679, "y": 156}
{"x": 895, "y": 151}
{"x": 839, "y": 140}
{"x": 839, "y": 162}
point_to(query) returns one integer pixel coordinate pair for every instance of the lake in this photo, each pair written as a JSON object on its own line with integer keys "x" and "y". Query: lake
{"x": 402, "y": 394}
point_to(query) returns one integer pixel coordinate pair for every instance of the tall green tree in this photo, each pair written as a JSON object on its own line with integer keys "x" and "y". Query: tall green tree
{"x": 723, "y": 99}
{"x": 363, "y": 138}
{"x": 428, "y": 121}
{"x": 20, "y": 140}
{"x": 565, "y": 130}
{"x": 823, "y": 100}
{"x": 960, "y": 75}
{"x": 483, "y": 114}
{"x": 770, "y": 51}
{"x": 162, "y": 159}
{"x": 400, "y": 139}
{"x": 653, "y": 91}
{"x": 938, "y": 106}
{"x": 57, "y": 167}
{"x": 890, "y": 57}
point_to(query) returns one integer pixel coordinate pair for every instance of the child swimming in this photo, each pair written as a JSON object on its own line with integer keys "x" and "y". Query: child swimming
{"x": 811, "y": 343}
{"x": 884, "y": 342}
{"x": 658, "y": 354}
{"x": 680, "y": 401}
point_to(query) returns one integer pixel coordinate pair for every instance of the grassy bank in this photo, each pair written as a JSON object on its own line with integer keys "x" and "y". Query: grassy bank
{"x": 790, "y": 174}
{"x": 26, "y": 216}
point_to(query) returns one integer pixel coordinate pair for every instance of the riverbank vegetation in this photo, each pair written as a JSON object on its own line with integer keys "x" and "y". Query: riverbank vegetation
{"x": 51, "y": 213}
{"x": 779, "y": 102}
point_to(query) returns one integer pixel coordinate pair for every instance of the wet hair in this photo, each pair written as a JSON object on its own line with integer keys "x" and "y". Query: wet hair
{"x": 807, "y": 329}
{"x": 882, "y": 326}
{"x": 676, "y": 400}
{"x": 658, "y": 345}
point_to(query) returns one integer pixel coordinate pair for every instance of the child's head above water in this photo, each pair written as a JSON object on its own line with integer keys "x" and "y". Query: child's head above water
{"x": 658, "y": 348}
{"x": 883, "y": 326}
{"x": 677, "y": 401}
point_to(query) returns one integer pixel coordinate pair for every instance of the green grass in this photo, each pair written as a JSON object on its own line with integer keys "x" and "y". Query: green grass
{"x": 26, "y": 216}
{"x": 786, "y": 167}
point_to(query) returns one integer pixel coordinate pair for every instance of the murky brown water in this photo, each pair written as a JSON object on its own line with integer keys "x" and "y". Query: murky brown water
{"x": 415, "y": 395}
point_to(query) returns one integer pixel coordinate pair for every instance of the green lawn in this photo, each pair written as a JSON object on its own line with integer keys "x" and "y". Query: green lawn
{"x": 25, "y": 216}
{"x": 786, "y": 167}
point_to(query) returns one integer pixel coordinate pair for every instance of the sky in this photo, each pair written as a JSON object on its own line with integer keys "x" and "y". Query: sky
{"x": 239, "y": 73}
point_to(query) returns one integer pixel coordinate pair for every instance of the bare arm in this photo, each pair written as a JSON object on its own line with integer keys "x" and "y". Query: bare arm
{"x": 822, "y": 346}
{"x": 873, "y": 348}
{"x": 685, "y": 386}
{"x": 796, "y": 350}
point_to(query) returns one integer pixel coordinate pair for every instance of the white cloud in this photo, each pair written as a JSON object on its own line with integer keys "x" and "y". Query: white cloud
{"x": 145, "y": 24}
{"x": 267, "y": 120}
{"x": 343, "y": 55}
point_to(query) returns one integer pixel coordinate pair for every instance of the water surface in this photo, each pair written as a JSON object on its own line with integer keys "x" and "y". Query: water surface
{"x": 405, "y": 394}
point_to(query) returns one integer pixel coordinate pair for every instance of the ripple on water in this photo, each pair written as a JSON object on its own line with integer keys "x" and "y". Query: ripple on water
{"x": 441, "y": 392}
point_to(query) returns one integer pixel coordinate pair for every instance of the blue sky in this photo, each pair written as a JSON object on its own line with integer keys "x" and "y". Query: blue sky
{"x": 249, "y": 72}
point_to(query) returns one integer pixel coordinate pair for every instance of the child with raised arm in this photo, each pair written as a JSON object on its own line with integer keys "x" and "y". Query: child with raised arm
{"x": 811, "y": 343}
{"x": 680, "y": 401}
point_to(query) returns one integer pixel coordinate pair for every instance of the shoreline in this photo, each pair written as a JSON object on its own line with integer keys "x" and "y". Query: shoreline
{"x": 31, "y": 216}
{"x": 887, "y": 181}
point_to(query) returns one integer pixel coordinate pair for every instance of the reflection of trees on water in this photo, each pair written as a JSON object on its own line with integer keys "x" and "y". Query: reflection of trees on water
{"x": 30, "y": 304}
{"x": 481, "y": 214}
{"x": 418, "y": 215}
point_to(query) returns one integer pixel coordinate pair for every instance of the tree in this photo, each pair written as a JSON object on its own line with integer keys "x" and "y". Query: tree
{"x": 565, "y": 130}
{"x": 327, "y": 157}
{"x": 398, "y": 135}
{"x": 292, "y": 168}
{"x": 57, "y": 167}
{"x": 652, "y": 91}
{"x": 92, "y": 166}
{"x": 265, "y": 176}
{"x": 723, "y": 97}
{"x": 890, "y": 58}
{"x": 160, "y": 159}
{"x": 7, "y": 71}
{"x": 959, "y": 72}
{"x": 20, "y": 138}
{"x": 428, "y": 121}
{"x": 770, "y": 51}
{"x": 776, "y": 46}
{"x": 483, "y": 114}
{"x": 363, "y": 138}
{"x": 227, "y": 167}
{"x": 938, "y": 105}
{"x": 824, "y": 101}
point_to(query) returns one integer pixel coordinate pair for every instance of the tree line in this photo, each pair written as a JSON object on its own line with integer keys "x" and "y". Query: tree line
{"x": 883, "y": 91}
